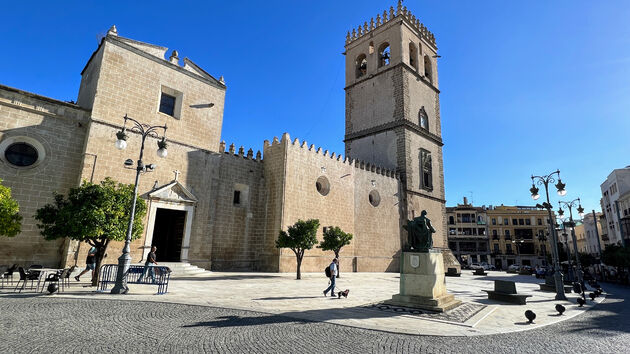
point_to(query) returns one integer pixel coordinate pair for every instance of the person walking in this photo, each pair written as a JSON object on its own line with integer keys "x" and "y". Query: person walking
{"x": 90, "y": 263}
{"x": 333, "y": 275}
{"x": 148, "y": 266}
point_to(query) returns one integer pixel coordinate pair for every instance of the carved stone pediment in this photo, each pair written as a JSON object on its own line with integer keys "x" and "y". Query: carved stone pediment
{"x": 173, "y": 192}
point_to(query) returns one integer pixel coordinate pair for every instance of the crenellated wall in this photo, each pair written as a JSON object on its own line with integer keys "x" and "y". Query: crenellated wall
{"x": 292, "y": 171}
{"x": 401, "y": 11}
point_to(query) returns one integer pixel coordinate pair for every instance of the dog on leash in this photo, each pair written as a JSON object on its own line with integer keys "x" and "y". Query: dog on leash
{"x": 343, "y": 293}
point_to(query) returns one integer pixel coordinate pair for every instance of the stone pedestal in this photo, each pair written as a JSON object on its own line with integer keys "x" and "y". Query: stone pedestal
{"x": 422, "y": 283}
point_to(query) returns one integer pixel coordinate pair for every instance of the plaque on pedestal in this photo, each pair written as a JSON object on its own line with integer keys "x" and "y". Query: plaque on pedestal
{"x": 422, "y": 283}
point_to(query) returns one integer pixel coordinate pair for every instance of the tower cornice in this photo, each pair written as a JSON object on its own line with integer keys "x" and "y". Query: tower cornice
{"x": 401, "y": 14}
{"x": 392, "y": 125}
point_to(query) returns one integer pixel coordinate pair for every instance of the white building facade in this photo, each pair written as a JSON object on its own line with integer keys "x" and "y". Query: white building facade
{"x": 616, "y": 203}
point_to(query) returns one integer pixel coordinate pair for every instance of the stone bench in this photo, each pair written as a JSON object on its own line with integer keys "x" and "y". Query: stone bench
{"x": 505, "y": 290}
{"x": 479, "y": 272}
{"x": 550, "y": 285}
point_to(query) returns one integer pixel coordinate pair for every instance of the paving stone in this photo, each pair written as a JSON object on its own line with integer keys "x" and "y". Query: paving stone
{"x": 40, "y": 323}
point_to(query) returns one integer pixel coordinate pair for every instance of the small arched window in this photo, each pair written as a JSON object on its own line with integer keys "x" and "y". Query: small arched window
{"x": 384, "y": 55}
{"x": 423, "y": 119}
{"x": 371, "y": 48}
{"x": 427, "y": 69}
{"x": 361, "y": 65}
{"x": 413, "y": 55}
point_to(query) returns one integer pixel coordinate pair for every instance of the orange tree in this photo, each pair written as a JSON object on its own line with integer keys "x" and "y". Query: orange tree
{"x": 334, "y": 240}
{"x": 10, "y": 219}
{"x": 92, "y": 213}
{"x": 300, "y": 237}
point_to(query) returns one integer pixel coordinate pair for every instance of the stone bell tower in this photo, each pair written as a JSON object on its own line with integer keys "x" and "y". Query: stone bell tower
{"x": 393, "y": 109}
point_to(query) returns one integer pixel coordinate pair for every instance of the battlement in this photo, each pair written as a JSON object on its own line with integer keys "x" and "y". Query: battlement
{"x": 241, "y": 152}
{"x": 402, "y": 12}
{"x": 363, "y": 165}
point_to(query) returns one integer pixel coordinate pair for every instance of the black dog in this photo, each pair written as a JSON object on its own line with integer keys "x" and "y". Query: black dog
{"x": 343, "y": 293}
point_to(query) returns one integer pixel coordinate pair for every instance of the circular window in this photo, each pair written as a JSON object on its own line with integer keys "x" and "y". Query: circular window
{"x": 21, "y": 154}
{"x": 322, "y": 185}
{"x": 375, "y": 198}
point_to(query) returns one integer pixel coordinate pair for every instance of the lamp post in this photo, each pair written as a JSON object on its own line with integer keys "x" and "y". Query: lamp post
{"x": 624, "y": 227}
{"x": 570, "y": 205}
{"x": 544, "y": 181}
{"x": 517, "y": 243}
{"x": 567, "y": 249}
{"x": 542, "y": 239}
{"x": 145, "y": 131}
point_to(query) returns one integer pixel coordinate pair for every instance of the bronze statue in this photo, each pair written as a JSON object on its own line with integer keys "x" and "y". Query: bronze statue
{"x": 420, "y": 232}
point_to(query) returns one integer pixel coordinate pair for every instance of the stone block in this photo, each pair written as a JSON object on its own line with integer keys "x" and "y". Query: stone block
{"x": 422, "y": 283}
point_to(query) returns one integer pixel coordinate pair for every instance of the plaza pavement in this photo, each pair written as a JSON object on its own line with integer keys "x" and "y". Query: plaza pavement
{"x": 283, "y": 295}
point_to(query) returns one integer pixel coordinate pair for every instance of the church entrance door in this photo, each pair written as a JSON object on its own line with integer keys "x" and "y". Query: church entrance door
{"x": 168, "y": 232}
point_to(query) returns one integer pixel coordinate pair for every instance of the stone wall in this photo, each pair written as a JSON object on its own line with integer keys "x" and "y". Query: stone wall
{"x": 346, "y": 205}
{"x": 237, "y": 229}
{"x": 126, "y": 77}
{"x": 130, "y": 82}
{"x": 60, "y": 128}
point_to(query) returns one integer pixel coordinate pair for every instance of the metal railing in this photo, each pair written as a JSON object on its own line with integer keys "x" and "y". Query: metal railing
{"x": 161, "y": 276}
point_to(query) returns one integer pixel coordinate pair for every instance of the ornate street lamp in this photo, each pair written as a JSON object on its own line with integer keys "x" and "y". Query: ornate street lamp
{"x": 542, "y": 239}
{"x": 545, "y": 180}
{"x": 570, "y": 205}
{"x": 561, "y": 225}
{"x": 145, "y": 131}
{"x": 517, "y": 243}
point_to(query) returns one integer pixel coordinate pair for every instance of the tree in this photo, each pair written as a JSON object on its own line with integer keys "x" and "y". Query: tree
{"x": 616, "y": 256}
{"x": 92, "y": 213}
{"x": 10, "y": 219}
{"x": 302, "y": 236}
{"x": 587, "y": 259}
{"x": 334, "y": 240}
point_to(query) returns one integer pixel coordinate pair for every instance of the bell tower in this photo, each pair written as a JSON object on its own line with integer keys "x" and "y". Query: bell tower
{"x": 393, "y": 109}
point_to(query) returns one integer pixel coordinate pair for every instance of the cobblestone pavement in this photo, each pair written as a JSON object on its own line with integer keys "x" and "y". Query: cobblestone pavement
{"x": 34, "y": 324}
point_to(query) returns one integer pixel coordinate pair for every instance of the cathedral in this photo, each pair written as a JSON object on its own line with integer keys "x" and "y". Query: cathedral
{"x": 219, "y": 206}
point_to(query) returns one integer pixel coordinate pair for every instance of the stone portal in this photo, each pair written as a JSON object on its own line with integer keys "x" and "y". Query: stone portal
{"x": 168, "y": 233}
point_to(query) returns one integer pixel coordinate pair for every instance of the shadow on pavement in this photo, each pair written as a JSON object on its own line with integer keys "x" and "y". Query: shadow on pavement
{"x": 226, "y": 277}
{"x": 610, "y": 316}
{"x": 288, "y": 297}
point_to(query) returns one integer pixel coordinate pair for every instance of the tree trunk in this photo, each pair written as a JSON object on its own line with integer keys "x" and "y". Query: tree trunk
{"x": 299, "y": 264}
{"x": 101, "y": 250}
{"x": 338, "y": 262}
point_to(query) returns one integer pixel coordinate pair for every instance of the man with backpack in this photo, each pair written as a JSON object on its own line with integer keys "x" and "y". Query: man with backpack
{"x": 331, "y": 273}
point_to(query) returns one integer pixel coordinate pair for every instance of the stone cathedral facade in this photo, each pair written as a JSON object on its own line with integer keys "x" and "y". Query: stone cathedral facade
{"x": 221, "y": 207}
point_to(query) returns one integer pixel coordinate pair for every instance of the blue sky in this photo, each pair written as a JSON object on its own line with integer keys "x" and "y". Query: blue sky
{"x": 527, "y": 86}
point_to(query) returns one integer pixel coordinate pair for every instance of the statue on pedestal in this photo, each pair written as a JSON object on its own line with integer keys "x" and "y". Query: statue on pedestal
{"x": 420, "y": 233}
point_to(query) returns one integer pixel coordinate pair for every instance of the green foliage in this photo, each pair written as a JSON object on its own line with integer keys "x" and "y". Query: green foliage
{"x": 616, "y": 256}
{"x": 10, "y": 219}
{"x": 587, "y": 259}
{"x": 92, "y": 212}
{"x": 334, "y": 240}
{"x": 301, "y": 236}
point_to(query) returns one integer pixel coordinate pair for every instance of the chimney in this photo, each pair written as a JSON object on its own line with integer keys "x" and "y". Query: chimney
{"x": 465, "y": 201}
